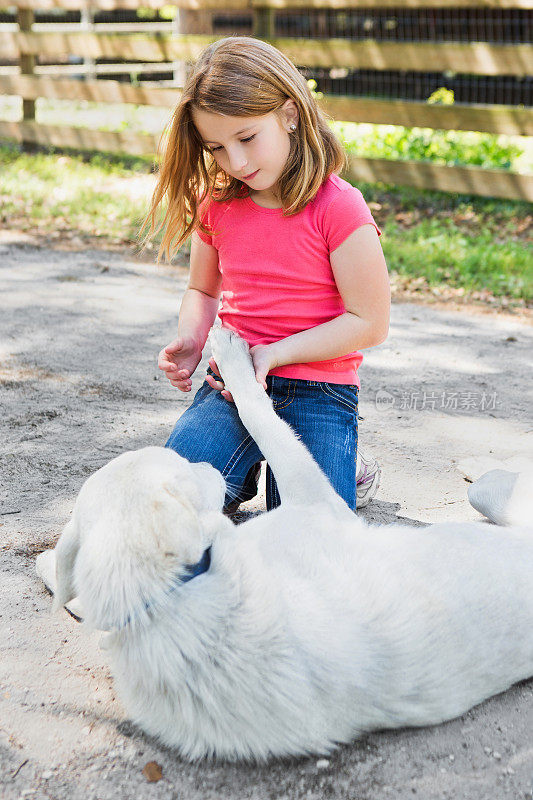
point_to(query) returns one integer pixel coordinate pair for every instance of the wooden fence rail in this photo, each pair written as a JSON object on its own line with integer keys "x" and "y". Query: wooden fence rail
{"x": 510, "y": 120}
{"x": 162, "y": 49}
{"x": 474, "y": 59}
{"x": 224, "y": 5}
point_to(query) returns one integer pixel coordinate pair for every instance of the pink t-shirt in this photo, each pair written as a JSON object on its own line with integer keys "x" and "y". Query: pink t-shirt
{"x": 276, "y": 272}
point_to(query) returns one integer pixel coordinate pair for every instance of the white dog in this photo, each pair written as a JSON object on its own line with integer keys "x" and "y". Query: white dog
{"x": 301, "y": 628}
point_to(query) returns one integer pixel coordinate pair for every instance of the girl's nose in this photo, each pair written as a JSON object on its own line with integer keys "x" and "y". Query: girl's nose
{"x": 237, "y": 160}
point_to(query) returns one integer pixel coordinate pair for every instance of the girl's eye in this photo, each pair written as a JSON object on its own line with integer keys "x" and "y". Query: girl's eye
{"x": 248, "y": 139}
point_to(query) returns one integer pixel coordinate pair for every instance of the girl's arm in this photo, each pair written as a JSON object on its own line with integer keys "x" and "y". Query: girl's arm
{"x": 197, "y": 313}
{"x": 361, "y": 276}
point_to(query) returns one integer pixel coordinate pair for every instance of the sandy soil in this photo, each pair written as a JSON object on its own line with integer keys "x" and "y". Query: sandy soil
{"x": 80, "y": 333}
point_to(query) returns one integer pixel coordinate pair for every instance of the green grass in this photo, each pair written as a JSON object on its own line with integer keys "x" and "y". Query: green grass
{"x": 89, "y": 114}
{"x": 440, "y": 240}
{"x": 443, "y": 254}
{"x": 481, "y": 245}
{"x": 90, "y": 196}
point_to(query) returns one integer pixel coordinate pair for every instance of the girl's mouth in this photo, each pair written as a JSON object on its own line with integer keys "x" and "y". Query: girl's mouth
{"x": 250, "y": 176}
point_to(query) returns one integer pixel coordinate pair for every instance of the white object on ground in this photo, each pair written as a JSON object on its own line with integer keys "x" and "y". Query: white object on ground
{"x": 474, "y": 467}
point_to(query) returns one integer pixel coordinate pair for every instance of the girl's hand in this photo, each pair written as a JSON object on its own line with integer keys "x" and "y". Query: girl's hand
{"x": 263, "y": 359}
{"x": 178, "y": 360}
{"x": 218, "y": 385}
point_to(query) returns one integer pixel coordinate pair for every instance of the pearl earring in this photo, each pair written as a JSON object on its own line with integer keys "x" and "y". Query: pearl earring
{"x": 293, "y": 127}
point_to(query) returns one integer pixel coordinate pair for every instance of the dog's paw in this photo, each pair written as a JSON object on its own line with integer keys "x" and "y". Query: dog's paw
{"x": 491, "y": 493}
{"x": 232, "y": 356}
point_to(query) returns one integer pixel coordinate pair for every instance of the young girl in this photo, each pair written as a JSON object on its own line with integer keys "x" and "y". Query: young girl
{"x": 291, "y": 250}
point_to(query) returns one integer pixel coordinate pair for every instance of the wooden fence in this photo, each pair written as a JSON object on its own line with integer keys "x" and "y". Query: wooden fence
{"x": 23, "y": 43}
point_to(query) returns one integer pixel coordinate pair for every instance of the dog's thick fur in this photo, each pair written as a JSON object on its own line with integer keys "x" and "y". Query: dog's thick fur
{"x": 309, "y": 627}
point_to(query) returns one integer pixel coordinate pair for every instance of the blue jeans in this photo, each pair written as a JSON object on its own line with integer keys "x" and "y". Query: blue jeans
{"x": 323, "y": 415}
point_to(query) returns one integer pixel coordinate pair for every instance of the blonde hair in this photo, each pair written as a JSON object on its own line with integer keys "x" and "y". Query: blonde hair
{"x": 237, "y": 76}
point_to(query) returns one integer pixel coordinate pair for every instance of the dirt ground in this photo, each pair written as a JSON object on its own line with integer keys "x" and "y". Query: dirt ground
{"x": 80, "y": 333}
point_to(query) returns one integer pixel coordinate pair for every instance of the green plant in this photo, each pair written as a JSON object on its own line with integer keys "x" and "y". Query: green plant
{"x": 312, "y": 85}
{"x": 165, "y": 12}
{"x": 441, "y": 96}
{"x": 426, "y": 144}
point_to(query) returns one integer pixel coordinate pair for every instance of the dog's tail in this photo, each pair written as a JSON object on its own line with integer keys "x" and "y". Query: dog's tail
{"x": 505, "y": 498}
{"x": 66, "y": 552}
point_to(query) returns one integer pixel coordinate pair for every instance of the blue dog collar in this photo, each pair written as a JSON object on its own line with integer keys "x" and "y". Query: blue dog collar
{"x": 191, "y": 571}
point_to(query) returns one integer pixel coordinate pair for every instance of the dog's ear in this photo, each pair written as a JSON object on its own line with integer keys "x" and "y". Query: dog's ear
{"x": 176, "y": 525}
{"x": 127, "y": 561}
{"x": 66, "y": 551}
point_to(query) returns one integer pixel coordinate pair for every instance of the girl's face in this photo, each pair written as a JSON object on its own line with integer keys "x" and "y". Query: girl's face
{"x": 252, "y": 149}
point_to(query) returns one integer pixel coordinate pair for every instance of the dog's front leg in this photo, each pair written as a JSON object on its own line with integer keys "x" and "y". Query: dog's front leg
{"x": 298, "y": 477}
